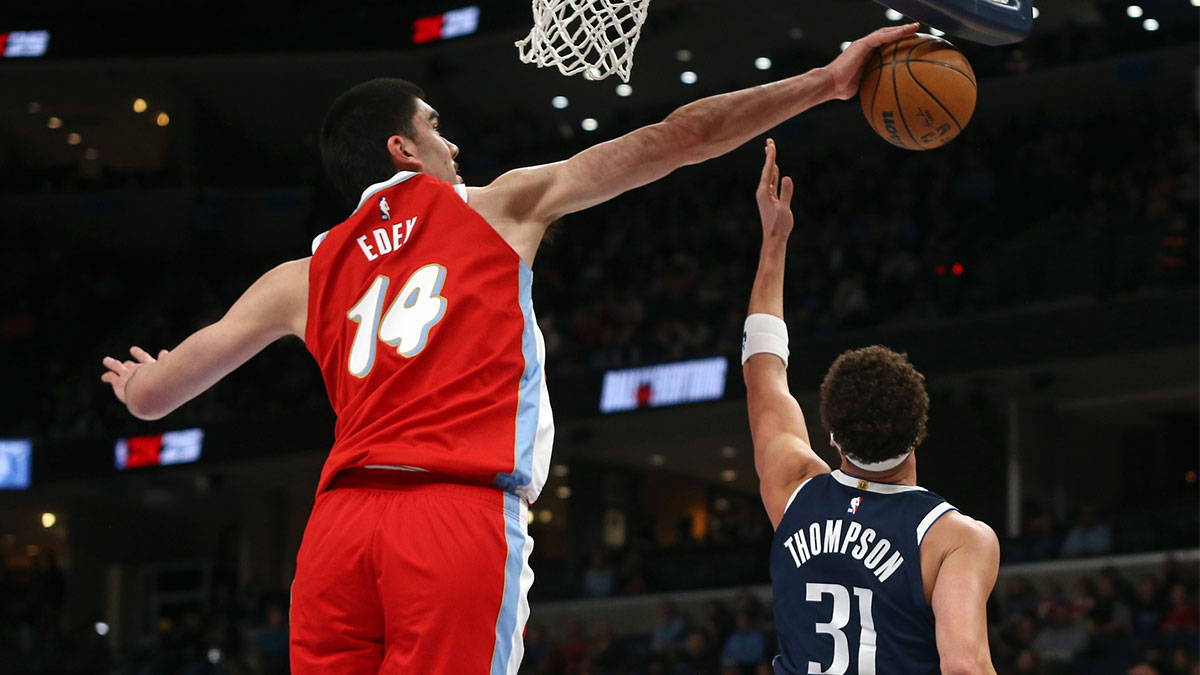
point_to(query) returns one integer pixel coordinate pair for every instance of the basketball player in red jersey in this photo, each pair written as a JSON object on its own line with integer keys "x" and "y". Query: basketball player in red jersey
{"x": 418, "y": 310}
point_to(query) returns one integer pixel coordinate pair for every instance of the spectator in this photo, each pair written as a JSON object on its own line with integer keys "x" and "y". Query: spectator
{"x": 698, "y": 657}
{"x": 574, "y": 648}
{"x": 1147, "y": 611}
{"x": 746, "y": 646}
{"x": 1109, "y": 612}
{"x": 599, "y": 579}
{"x": 1063, "y": 639}
{"x": 1182, "y": 613}
{"x": 539, "y": 652}
{"x": 606, "y": 655}
{"x": 1087, "y": 537}
{"x": 671, "y": 630}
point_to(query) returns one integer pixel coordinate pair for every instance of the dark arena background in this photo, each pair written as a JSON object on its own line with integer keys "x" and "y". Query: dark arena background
{"x": 1041, "y": 270}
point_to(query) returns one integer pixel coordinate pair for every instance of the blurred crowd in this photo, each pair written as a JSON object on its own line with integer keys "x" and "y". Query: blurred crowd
{"x": 1142, "y": 624}
{"x": 1106, "y": 622}
{"x": 665, "y": 273}
{"x": 1110, "y": 624}
{"x": 228, "y": 633}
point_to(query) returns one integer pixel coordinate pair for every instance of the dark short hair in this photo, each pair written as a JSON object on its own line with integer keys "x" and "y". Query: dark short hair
{"x": 874, "y": 402}
{"x": 356, "y": 128}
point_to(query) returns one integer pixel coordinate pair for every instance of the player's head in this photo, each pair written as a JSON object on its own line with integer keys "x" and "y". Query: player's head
{"x": 378, "y": 128}
{"x": 874, "y": 403}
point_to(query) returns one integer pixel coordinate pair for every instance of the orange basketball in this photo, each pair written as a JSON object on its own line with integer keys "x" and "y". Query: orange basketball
{"x": 918, "y": 93}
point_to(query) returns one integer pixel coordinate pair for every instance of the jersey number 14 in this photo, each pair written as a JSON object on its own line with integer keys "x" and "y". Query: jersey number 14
{"x": 840, "y": 617}
{"x": 416, "y": 309}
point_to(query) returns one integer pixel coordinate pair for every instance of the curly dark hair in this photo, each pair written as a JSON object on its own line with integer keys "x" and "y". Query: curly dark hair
{"x": 874, "y": 402}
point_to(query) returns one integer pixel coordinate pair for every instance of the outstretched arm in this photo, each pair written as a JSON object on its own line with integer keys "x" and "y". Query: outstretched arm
{"x": 970, "y": 560}
{"x": 274, "y": 306}
{"x": 782, "y": 454}
{"x": 536, "y": 196}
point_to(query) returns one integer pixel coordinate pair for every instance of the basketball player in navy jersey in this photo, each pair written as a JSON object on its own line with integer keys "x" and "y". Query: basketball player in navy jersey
{"x": 871, "y": 573}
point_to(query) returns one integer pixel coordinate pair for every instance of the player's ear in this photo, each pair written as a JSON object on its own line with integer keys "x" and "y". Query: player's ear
{"x": 401, "y": 150}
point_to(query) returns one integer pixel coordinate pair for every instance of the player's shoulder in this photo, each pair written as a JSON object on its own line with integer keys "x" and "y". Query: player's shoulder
{"x": 956, "y": 530}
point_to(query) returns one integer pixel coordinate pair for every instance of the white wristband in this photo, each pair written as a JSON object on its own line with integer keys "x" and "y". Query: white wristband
{"x": 765, "y": 334}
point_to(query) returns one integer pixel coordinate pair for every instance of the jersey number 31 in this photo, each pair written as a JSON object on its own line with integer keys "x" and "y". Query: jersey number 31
{"x": 405, "y": 326}
{"x": 839, "y": 619}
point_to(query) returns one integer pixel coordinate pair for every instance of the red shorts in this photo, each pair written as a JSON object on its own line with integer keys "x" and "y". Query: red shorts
{"x": 403, "y": 572}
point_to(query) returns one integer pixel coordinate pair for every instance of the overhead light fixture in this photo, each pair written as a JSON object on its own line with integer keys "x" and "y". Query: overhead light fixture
{"x": 683, "y": 55}
{"x": 163, "y": 119}
{"x": 845, "y": 45}
{"x": 1150, "y": 25}
{"x": 589, "y": 124}
{"x": 34, "y": 107}
{"x": 139, "y": 105}
{"x": 762, "y": 63}
{"x": 1133, "y": 12}
{"x": 893, "y": 15}
{"x": 624, "y": 90}
{"x": 728, "y": 475}
{"x": 559, "y": 102}
{"x": 54, "y": 122}
{"x": 74, "y": 138}
{"x": 688, "y": 77}
{"x": 563, "y": 492}
{"x": 1036, "y": 12}
{"x": 48, "y": 520}
{"x": 92, "y": 154}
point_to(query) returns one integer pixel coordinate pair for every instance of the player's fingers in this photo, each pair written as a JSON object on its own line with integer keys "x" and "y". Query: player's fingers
{"x": 890, "y": 34}
{"x": 131, "y": 365}
{"x": 162, "y": 353}
{"x": 109, "y": 377}
{"x": 774, "y": 180}
{"x": 114, "y": 365}
{"x": 785, "y": 195}
{"x": 768, "y": 162}
{"x": 140, "y": 354}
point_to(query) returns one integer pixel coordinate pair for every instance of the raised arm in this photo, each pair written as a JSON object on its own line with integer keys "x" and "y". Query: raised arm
{"x": 707, "y": 128}
{"x": 274, "y": 306}
{"x": 970, "y": 559}
{"x": 782, "y": 454}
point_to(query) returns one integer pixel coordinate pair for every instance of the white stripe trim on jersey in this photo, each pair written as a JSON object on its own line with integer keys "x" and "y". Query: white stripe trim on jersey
{"x": 318, "y": 239}
{"x": 394, "y": 180}
{"x": 931, "y": 518}
{"x": 871, "y": 486}
{"x": 395, "y": 468}
{"x": 796, "y": 492}
{"x": 460, "y": 188}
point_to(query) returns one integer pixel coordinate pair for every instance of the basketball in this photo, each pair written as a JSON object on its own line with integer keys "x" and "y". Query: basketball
{"x": 918, "y": 93}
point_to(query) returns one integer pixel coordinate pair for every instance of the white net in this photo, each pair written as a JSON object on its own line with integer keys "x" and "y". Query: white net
{"x": 593, "y": 37}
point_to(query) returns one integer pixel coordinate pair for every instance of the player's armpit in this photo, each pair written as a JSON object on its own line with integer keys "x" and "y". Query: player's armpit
{"x": 274, "y": 306}
{"x": 970, "y": 562}
{"x": 783, "y": 457}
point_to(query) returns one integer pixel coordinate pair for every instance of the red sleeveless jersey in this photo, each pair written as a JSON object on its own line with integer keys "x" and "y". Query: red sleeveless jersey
{"x": 421, "y": 319}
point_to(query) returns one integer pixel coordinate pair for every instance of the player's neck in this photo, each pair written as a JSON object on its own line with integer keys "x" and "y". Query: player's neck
{"x": 905, "y": 474}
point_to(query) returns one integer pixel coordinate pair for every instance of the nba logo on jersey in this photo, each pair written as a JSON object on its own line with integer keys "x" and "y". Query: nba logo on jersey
{"x": 384, "y": 210}
{"x": 854, "y": 504}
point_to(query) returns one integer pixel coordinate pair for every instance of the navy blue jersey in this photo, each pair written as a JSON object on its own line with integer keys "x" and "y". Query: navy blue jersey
{"x": 846, "y": 570}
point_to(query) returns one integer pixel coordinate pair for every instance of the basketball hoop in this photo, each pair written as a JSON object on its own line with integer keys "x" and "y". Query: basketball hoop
{"x": 593, "y": 37}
